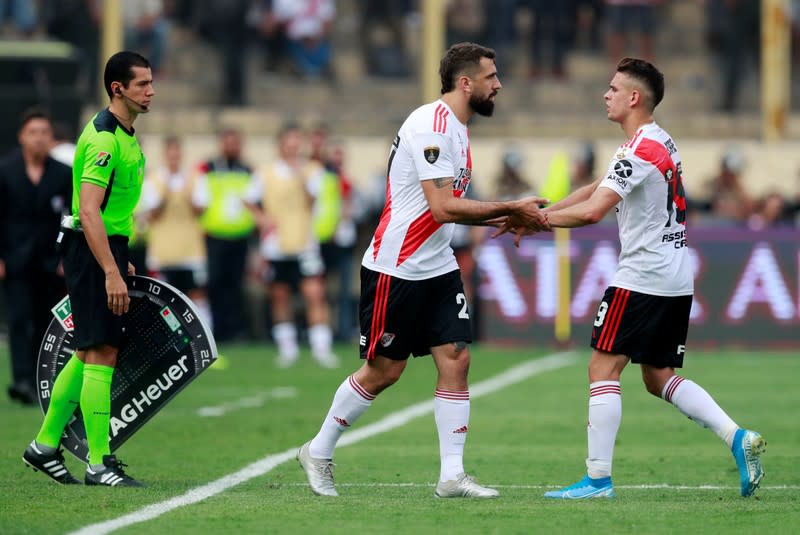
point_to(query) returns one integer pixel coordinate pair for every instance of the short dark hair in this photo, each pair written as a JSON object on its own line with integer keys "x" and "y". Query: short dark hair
{"x": 644, "y": 72}
{"x": 289, "y": 126}
{"x": 119, "y": 68}
{"x": 461, "y": 58}
{"x": 33, "y": 113}
{"x": 172, "y": 139}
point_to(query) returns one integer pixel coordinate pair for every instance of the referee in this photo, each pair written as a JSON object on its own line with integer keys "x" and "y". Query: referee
{"x": 35, "y": 191}
{"x": 107, "y": 181}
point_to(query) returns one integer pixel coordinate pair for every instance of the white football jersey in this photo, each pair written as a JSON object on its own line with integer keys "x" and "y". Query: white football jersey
{"x": 646, "y": 172}
{"x": 408, "y": 243}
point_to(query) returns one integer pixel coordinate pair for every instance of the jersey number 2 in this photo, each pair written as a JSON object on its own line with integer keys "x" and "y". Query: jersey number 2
{"x": 461, "y": 299}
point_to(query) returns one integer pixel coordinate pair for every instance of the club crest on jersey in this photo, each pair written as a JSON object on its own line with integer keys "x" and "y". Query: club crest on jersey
{"x": 387, "y": 339}
{"x": 103, "y": 158}
{"x": 431, "y": 154}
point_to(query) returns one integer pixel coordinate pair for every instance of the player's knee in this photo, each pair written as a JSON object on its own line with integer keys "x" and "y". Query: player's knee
{"x": 653, "y": 387}
{"x": 654, "y": 383}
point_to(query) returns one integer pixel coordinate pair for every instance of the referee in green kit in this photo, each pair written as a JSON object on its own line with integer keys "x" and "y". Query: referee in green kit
{"x": 107, "y": 180}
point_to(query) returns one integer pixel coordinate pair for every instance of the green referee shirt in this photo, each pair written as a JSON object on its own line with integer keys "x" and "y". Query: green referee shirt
{"x": 109, "y": 156}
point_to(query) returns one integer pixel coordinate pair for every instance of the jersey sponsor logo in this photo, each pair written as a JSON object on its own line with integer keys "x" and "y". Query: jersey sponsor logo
{"x": 623, "y": 169}
{"x": 461, "y": 183}
{"x": 621, "y": 181}
{"x": 431, "y": 154}
{"x": 387, "y": 339}
{"x": 678, "y": 239}
{"x": 671, "y": 148}
{"x": 103, "y": 158}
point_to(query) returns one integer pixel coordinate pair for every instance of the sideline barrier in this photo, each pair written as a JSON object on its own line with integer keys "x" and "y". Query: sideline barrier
{"x": 747, "y": 286}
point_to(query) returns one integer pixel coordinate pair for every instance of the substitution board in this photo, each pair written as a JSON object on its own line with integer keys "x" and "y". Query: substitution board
{"x": 165, "y": 346}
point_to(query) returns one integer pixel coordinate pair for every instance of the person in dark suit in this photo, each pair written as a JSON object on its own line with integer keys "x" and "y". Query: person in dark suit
{"x": 35, "y": 190}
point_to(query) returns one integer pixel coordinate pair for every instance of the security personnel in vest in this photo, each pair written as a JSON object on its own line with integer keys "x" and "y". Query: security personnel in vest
{"x": 228, "y": 225}
{"x": 35, "y": 191}
{"x": 283, "y": 200}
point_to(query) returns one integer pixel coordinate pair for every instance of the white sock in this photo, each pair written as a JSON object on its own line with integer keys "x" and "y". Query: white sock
{"x": 349, "y": 402}
{"x": 320, "y": 338}
{"x": 285, "y": 336}
{"x": 605, "y": 414}
{"x": 451, "y": 412}
{"x": 690, "y": 398}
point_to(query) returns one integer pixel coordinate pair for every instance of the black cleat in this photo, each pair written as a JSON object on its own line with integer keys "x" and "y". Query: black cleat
{"x": 52, "y": 465}
{"x": 112, "y": 475}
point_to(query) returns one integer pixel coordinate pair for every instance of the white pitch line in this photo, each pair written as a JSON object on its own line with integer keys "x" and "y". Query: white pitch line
{"x": 646, "y": 486}
{"x": 249, "y": 402}
{"x": 511, "y": 376}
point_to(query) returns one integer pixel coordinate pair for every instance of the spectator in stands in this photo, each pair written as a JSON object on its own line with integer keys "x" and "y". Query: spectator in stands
{"x": 282, "y": 200}
{"x": 146, "y": 30}
{"x": 625, "y": 16}
{"x": 729, "y": 201}
{"x": 772, "y": 211}
{"x": 465, "y": 21}
{"x": 587, "y": 24}
{"x": 176, "y": 251}
{"x": 511, "y": 184}
{"x": 501, "y": 31}
{"x": 308, "y": 25}
{"x": 218, "y": 196}
{"x": 551, "y": 29}
{"x": 318, "y": 140}
{"x": 734, "y": 34}
{"x": 382, "y": 36}
{"x": 77, "y": 22}
{"x": 22, "y": 13}
{"x": 223, "y": 23}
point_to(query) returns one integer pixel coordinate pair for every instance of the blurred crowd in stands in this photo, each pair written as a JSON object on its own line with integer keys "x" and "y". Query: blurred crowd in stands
{"x": 229, "y": 230}
{"x": 297, "y": 36}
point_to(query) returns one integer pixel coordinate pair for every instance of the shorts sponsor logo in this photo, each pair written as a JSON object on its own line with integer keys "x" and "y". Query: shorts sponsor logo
{"x": 387, "y": 339}
{"x": 681, "y": 349}
{"x": 431, "y": 154}
{"x": 63, "y": 313}
{"x": 362, "y": 340}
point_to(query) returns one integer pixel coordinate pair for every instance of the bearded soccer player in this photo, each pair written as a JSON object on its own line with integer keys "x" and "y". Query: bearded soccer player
{"x": 644, "y": 315}
{"x": 107, "y": 181}
{"x": 412, "y": 299}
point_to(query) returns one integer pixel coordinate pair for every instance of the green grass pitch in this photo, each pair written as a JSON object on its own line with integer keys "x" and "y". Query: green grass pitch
{"x": 527, "y": 437}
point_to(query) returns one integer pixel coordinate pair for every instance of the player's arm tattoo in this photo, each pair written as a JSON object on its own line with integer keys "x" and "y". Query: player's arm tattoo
{"x": 442, "y": 182}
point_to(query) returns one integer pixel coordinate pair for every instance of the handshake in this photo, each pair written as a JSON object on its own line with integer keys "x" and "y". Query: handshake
{"x": 526, "y": 217}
